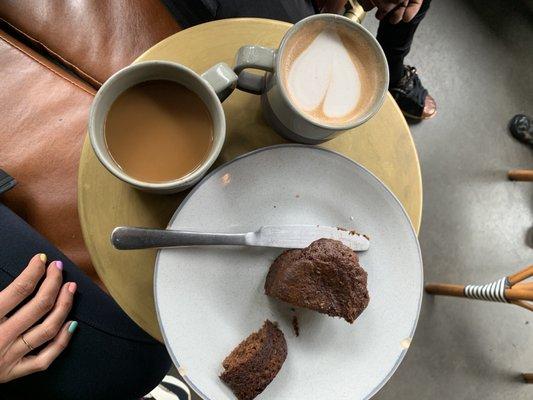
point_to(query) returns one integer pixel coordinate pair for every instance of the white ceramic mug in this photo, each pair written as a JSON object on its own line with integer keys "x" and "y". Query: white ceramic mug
{"x": 213, "y": 86}
{"x": 278, "y": 110}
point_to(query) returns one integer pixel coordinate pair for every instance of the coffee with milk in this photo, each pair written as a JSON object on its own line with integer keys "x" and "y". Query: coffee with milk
{"x": 329, "y": 74}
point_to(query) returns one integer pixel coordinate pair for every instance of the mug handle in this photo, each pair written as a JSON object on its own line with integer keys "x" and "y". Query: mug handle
{"x": 257, "y": 57}
{"x": 222, "y": 79}
{"x": 355, "y": 11}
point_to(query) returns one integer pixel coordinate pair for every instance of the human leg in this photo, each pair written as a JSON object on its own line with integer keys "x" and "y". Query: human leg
{"x": 404, "y": 84}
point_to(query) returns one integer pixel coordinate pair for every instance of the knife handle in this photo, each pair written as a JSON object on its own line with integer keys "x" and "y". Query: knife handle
{"x": 130, "y": 238}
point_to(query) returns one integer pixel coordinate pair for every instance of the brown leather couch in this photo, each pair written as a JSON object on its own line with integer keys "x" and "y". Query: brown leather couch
{"x": 54, "y": 55}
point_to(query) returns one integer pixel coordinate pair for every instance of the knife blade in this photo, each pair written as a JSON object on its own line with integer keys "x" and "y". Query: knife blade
{"x": 288, "y": 236}
{"x": 300, "y": 236}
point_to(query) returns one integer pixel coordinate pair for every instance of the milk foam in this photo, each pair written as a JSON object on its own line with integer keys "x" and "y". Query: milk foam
{"x": 323, "y": 76}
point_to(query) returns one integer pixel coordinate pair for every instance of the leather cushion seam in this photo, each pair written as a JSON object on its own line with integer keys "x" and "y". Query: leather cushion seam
{"x": 46, "y": 66}
{"x": 63, "y": 60}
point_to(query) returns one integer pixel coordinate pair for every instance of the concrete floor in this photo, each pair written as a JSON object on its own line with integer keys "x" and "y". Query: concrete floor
{"x": 475, "y": 57}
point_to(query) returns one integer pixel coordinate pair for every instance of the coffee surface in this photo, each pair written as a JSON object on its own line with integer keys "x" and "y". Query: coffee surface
{"x": 158, "y": 131}
{"x": 329, "y": 72}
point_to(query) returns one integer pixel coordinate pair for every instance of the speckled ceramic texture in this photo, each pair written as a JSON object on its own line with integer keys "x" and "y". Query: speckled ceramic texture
{"x": 209, "y": 299}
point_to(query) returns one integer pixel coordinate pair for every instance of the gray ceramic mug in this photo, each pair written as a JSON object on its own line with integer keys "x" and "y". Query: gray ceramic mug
{"x": 278, "y": 110}
{"x": 213, "y": 86}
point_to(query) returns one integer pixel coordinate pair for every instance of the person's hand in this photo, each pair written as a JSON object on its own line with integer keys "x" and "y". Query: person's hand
{"x": 394, "y": 10}
{"x": 25, "y": 330}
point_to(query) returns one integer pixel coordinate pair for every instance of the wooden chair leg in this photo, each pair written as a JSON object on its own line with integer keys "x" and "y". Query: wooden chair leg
{"x": 518, "y": 294}
{"x": 528, "y": 377}
{"x": 525, "y": 175}
{"x": 525, "y": 304}
{"x": 521, "y": 292}
{"x": 524, "y": 285}
{"x": 521, "y": 275}
{"x": 512, "y": 288}
{"x": 445, "y": 290}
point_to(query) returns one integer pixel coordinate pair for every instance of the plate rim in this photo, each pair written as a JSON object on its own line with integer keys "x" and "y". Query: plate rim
{"x": 401, "y": 356}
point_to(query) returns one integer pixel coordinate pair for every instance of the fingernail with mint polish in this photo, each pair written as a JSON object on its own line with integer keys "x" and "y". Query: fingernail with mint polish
{"x": 72, "y": 327}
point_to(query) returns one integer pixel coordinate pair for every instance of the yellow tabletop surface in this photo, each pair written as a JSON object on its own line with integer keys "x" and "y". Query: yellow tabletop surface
{"x": 383, "y": 145}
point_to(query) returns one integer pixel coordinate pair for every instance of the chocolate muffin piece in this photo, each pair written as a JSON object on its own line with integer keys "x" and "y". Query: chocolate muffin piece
{"x": 255, "y": 362}
{"x": 325, "y": 277}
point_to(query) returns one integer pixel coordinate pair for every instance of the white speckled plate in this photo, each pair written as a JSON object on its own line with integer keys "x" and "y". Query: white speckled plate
{"x": 209, "y": 299}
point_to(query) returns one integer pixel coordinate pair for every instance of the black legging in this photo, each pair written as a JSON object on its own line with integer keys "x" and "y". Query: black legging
{"x": 396, "y": 41}
{"x": 109, "y": 356}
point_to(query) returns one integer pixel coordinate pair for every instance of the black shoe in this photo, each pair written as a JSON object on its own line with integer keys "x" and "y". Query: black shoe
{"x": 521, "y": 127}
{"x": 412, "y": 98}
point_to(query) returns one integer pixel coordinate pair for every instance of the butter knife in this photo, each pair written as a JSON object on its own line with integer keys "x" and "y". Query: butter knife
{"x": 289, "y": 236}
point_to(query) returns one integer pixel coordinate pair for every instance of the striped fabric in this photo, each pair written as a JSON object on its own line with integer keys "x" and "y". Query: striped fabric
{"x": 494, "y": 291}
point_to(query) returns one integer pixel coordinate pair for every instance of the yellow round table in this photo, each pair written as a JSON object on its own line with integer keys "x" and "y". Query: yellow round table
{"x": 383, "y": 145}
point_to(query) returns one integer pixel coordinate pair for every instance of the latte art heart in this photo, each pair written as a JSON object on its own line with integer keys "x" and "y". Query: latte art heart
{"x": 324, "y": 78}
